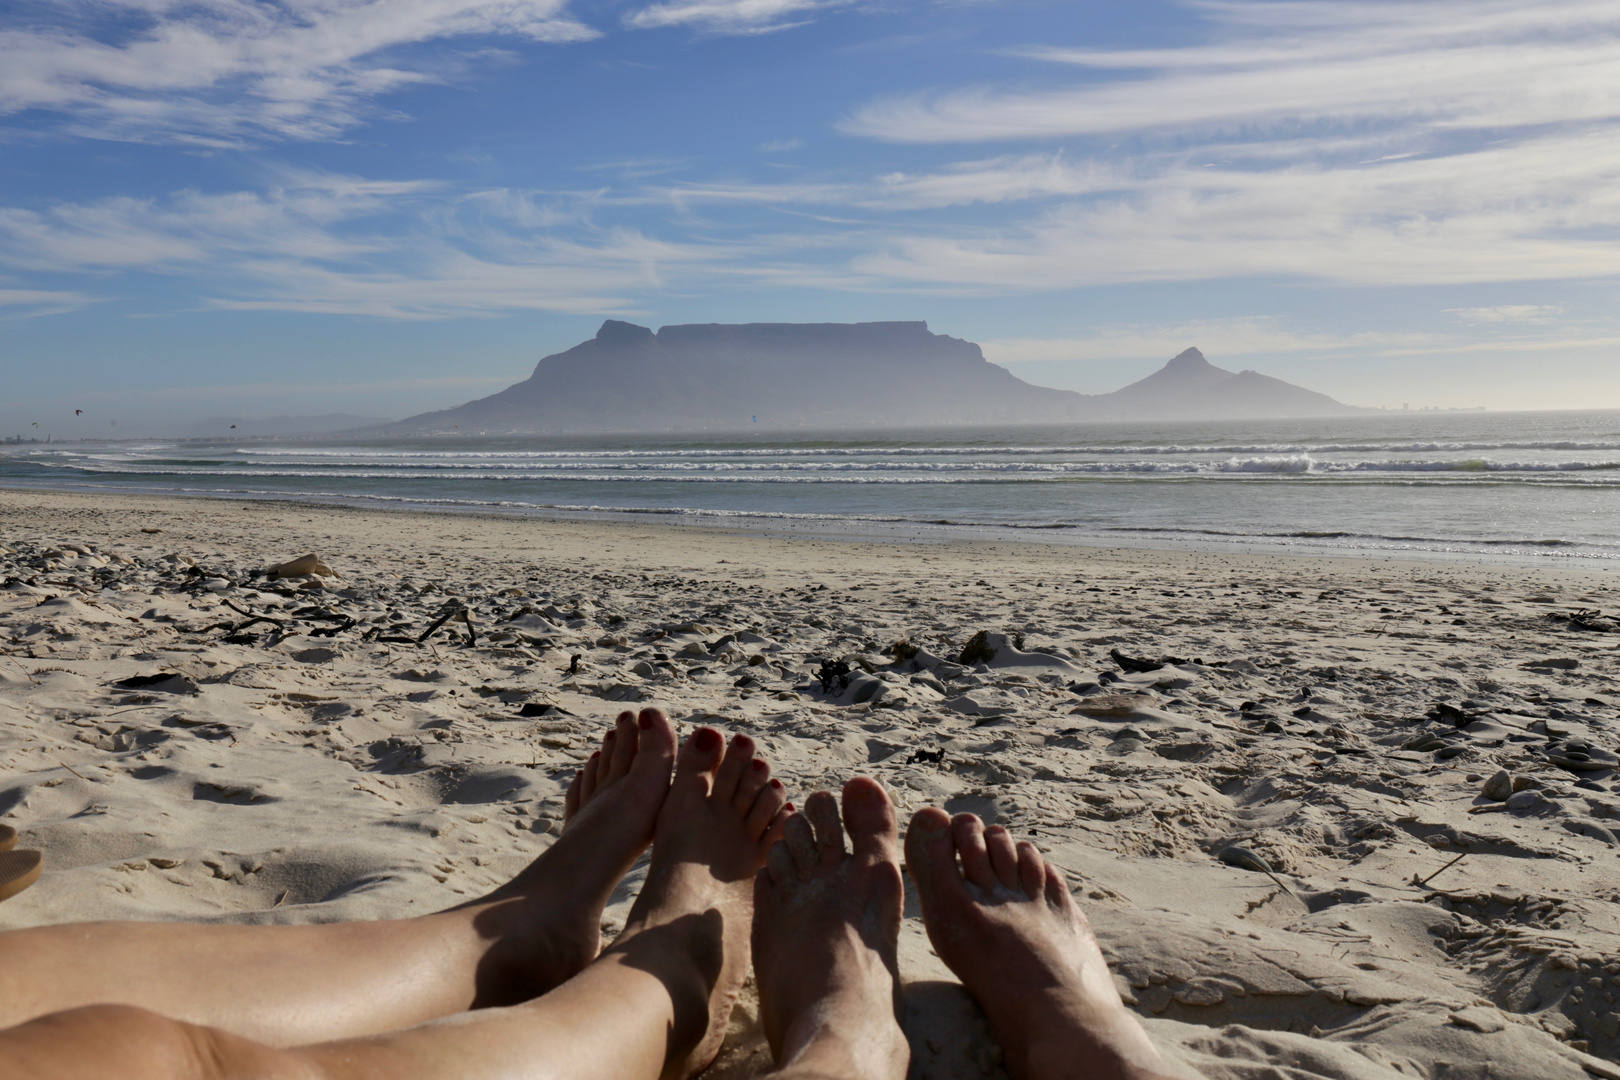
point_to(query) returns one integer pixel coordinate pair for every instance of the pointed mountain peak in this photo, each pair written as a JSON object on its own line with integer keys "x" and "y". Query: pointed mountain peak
{"x": 1188, "y": 360}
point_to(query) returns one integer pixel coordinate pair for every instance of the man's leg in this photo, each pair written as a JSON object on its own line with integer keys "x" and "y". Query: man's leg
{"x": 826, "y": 930}
{"x": 292, "y": 985}
{"x": 1004, "y": 922}
{"x": 653, "y": 1006}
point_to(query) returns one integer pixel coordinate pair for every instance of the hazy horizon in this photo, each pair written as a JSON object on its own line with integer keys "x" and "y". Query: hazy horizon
{"x": 356, "y": 208}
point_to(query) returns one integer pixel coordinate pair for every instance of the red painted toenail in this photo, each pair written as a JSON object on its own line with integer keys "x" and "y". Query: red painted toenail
{"x": 777, "y": 784}
{"x": 608, "y": 736}
{"x": 706, "y": 739}
{"x": 758, "y": 764}
{"x": 646, "y": 720}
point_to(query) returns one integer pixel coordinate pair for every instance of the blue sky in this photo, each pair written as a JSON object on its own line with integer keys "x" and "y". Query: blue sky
{"x": 222, "y": 207}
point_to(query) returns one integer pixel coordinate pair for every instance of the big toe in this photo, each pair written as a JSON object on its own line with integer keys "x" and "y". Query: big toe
{"x": 655, "y": 746}
{"x": 699, "y": 759}
{"x": 931, "y": 855}
{"x": 869, "y": 819}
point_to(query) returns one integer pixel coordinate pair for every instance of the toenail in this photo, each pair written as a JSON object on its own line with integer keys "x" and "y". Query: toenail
{"x": 777, "y": 784}
{"x": 706, "y": 739}
{"x": 758, "y": 764}
{"x": 646, "y": 720}
{"x": 608, "y": 736}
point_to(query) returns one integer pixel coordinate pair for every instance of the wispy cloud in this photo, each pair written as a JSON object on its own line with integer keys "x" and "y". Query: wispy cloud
{"x": 28, "y": 303}
{"x": 341, "y": 245}
{"x": 1522, "y": 314}
{"x": 730, "y": 16}
{"x": 1471, "y": 64}
{"x": 221, "y": 72}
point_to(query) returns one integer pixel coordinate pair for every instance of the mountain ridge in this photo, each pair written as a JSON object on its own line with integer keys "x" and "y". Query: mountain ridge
{"x": 727, "y": 376}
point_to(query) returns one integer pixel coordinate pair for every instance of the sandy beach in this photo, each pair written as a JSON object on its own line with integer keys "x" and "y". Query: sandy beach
{"x": 1421, "y": 753}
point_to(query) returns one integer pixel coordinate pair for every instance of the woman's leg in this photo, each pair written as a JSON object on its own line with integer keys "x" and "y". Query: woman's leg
{"x": 292, "y": 985}
{"x": 655, "y": 1005}
{"x": 826, "y": 931}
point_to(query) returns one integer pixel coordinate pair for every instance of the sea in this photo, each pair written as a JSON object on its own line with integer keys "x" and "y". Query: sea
{"x": 1500, "y": 486}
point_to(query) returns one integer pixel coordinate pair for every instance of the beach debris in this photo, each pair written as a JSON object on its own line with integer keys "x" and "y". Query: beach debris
{"x": 1498, "y": 787}
{"x": 929, "y": 757}
{"x": 168, "y": 682}
{"x": 978, "y": 650}
{"x": 304, "y": 566}
{"x": 1244, "y": 859}
{"x": 1553, "y": 663}
{"x": 1452, "y": 715}
{"x": 1422, "y": 882}
{"x": 1591, "y": 620}
{"x": 1133, "y": 665}
{"x": 834, "y": 673}
{"x": 573, "y": 663}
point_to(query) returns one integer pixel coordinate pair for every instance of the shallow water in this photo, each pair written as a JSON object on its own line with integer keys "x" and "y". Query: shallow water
{"x": 1514, "y": 484}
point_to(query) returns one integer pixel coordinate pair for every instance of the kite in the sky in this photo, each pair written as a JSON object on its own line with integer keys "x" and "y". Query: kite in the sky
{"x": 78, "y": 412}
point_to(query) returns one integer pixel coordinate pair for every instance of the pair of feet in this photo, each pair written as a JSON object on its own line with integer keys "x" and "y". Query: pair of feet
{"x": 736, "y": 870}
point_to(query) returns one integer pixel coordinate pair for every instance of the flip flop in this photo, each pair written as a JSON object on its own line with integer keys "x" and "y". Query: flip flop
{"x": 8, "y": 838}
{"x": 18, "y": 870}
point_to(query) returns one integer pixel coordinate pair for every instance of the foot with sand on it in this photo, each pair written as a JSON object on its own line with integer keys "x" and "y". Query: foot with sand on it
{"x": 1006, "y": 924}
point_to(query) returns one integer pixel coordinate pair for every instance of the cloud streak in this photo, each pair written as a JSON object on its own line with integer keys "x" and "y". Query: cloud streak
{"x": 341, "y": 245}
{"x": 730, "y": 16}
{"x": 225, "y": 72}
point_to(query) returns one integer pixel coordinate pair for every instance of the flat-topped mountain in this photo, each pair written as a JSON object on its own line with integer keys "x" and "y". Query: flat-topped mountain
{"x": 716, "y": 376}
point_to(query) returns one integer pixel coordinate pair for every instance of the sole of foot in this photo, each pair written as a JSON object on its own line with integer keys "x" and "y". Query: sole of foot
{"x": 1004, "y": 921}
{"x": 691, "y": 922}
{"x": 546, "y": 922}
{"x": 826, "y": 933}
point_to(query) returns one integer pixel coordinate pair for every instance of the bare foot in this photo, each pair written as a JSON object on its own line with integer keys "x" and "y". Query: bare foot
{"x": 1005, "y": 923}
{"x": 546, "y": 922}
{"x": 690, "y": 923}
{"x": 826, "y": 929}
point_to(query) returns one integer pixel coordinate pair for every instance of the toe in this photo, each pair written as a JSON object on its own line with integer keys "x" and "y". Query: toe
{"x": 752, "y": 783}
{"x": 587, "y": 777}
{"x": 571, "y": 797}
{"x": 1057, "y": 890}
{"x": 733, "y": 767}
{"x": 968, "y": 832}
{"x": 869, "y": 819}
{"x": 655, "y": 745}
{"x": 699, "y": 758}
{"x": 767, "y": 809}
{"x": 822, "y": 810}
{"x": 623, "y": 744}
{"x": 779, "y": 865}
{"x": 801, "y": 843}
{"x": 1003, "y": 855}
{"x": 931, "y": 856}
{"x": 1031, "y": 870}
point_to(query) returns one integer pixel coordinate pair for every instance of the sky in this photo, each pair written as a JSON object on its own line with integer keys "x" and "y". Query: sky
{"x": 228, "y": 207}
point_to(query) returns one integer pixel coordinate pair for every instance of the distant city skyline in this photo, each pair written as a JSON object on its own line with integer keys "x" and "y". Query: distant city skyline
{"x": 231, "y": 208}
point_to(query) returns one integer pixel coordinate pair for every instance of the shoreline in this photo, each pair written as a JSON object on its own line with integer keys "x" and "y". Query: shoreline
{"x": 352, "y": 755}
{"x": 853, "y": 529}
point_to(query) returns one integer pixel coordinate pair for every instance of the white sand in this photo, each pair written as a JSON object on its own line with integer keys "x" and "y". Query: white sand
{"x": 294, "y": 777}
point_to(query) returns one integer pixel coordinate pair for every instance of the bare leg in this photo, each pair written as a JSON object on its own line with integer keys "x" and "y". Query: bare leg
{"x": 826, "y": 930}
{"x": 291, "y": 985}
{"x": 653, "y": 1007}
{"x": 1005, "y": 923}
